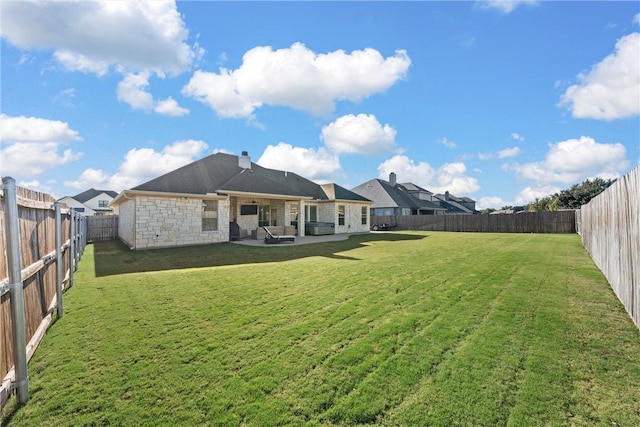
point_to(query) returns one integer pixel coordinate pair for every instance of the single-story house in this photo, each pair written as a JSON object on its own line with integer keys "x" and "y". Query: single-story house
{"x": 205, "y": 201}
{"x": 91, "y": 202}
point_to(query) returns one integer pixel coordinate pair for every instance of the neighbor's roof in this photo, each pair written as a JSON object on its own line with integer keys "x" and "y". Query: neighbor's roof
{"x": 91, "y": 193}
{"x": 452, "y": 205}
{"x": 220, "y": 173}
{"x": 411, "y": 187}
{"x": 384, "y": 195}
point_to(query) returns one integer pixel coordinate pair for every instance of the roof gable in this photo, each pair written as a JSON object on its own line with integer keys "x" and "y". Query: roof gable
{"x": 336, "y": 192}
{"x": 92, "y": 193}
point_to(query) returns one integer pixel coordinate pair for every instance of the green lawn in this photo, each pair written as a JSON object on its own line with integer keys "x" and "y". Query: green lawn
{"x": 397, "y": 329}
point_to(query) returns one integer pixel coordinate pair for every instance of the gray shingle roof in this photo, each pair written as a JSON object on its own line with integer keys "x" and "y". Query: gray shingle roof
{"x": 220, "y": 173}
{"x": 384, "y": 195}
{"x": 91, "y": 193}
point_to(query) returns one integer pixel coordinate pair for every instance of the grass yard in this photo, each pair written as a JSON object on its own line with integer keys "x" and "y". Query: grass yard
{"x": 396, "y": 329}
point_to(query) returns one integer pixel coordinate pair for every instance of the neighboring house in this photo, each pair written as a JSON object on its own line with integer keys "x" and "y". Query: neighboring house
{"x": 511, "y": 210}
{"x": 391, "y": 198}
{"x": 456, "y": 205}
{"x": 91, "y": 202}
{"x": 196, "y": 203}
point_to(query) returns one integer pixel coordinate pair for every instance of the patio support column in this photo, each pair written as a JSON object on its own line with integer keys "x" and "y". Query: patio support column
{"x": 301, "y": 218}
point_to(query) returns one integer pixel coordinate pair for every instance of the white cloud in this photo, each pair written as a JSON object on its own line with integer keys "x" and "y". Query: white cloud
{"x": 34, "y": 158}
{"x": 509, "y": 152}
{"x": 517, "y": 137}
{"x": 636, "y": 19}
{"x": 575, "y": 160}
{"x": 90, "y": 36}
{"x": 34, "y": 129}
{"x": 611, "y": 89}
{"x": 141, "y": 164}
{"x": 298, "y": 78}
{"x": 319, "y": 165}
{"x": 169, "y": 107}
{"x": 505, "y": 6}
{"x": 493, "y": 202}
{"x": 132, "y": 90}
{"x": 447, "y": 143}
{"x": 448, "y": 177}
{"x": 361, "y": 134}
{"x": 31, "y": 145}
{"x": 485, "y": 156}
{"x": 529, "y": 194}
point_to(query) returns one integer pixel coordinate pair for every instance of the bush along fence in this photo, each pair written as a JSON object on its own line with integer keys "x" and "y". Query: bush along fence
{"x": 528, "y": 222}
{"x": 610, "y": 230}
{"x": 44, "y": 243}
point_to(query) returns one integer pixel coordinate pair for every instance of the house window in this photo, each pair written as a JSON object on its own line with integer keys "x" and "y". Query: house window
{"x": 311, "y": 213}
{"x": 341, "y": 210}
{"x": 293, "y": 215}
{"x": 384, "y": 212}
{"x": 103, "y": 203}
{"x": 406, "y": 211}
{"x": 263, "y": 216}
{"x": 364, "y": 215}
{"x": 209, "y": 215}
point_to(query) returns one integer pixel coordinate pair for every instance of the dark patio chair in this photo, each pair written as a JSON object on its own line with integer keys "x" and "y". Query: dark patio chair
{"x": 271, "y": 238}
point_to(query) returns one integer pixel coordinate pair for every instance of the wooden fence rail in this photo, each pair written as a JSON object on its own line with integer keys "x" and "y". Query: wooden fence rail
{"x": 528, "y": 222}
{"x": 45, "y": 271}
{"x": 610, "y": 230}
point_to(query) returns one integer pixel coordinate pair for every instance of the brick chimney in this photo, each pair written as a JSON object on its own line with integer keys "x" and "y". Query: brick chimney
{"x": 244, "y": 161}
{"x": 392, "y": 179}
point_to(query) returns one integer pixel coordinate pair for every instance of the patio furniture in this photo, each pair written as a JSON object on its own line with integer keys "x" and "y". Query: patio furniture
{"x": 271, "y": 238}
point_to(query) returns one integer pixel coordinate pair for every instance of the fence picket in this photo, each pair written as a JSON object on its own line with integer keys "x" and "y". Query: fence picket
{"x": 610, "y": 230}
{"x": 41, "y": 253}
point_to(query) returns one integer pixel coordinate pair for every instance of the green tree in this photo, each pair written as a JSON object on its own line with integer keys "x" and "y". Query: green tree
{"x": 581, "y": 194}
{"x": 539, "y": 205}
{"x": 572, "y": 198}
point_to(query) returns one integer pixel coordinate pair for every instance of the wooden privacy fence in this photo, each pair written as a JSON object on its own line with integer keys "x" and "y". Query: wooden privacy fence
{"x": 610, "y": 230}
{"x": 528, "y": 222}
{"x": 43, "y": 243}
{"x": 102, "y": 227}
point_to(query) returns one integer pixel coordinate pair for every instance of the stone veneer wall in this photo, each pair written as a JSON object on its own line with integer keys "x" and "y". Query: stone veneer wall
{"x": 165, "y": 222}
{"x": 126, "y": 222}
{"x": 353, "y": 217}
{"x": 328, "y": 212}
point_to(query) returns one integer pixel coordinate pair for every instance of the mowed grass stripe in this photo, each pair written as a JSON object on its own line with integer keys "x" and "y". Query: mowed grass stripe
{"x": 466, "y": 306}
{"x": 404, "y": 328}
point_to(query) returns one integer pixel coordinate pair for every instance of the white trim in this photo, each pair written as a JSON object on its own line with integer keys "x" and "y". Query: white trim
{"x": 127, "y": 194}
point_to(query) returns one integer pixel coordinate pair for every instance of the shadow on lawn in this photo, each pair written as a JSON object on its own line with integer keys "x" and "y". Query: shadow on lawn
{"x": 113, "y": 257}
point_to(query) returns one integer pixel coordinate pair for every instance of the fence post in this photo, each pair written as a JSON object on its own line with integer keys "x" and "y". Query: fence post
{"x": 14, "y": 264}
{"x": 59, "y": 253}
{"x": 72, "y": 241}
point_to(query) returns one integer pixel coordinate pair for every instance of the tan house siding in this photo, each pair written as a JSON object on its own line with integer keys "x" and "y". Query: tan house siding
{"x": 328, "y": 212}
{"x": 352, "y": 218}
{"x": 126, "y": 222}
{"x": 166, "y": 222}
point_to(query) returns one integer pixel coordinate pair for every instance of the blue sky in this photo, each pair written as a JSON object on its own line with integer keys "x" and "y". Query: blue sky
{"x": 500, "y": 101}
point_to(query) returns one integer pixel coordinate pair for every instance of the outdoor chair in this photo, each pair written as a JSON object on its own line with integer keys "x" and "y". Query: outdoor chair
{"x": 271, "y": 238}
